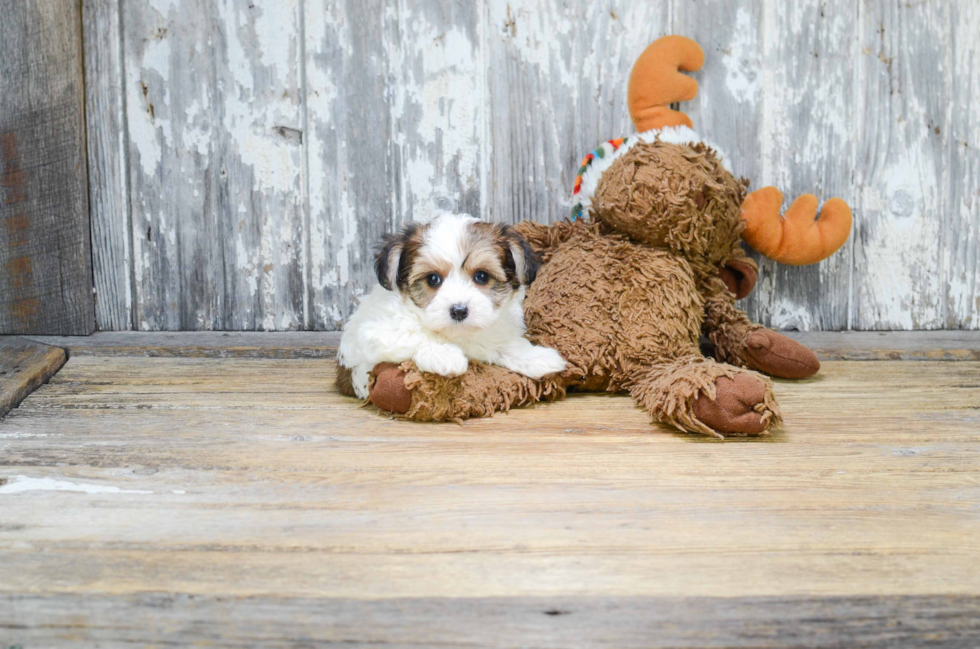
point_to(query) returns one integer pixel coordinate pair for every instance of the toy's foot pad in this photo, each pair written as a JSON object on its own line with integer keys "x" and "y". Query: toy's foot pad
{"x": 776, "y": 355}
{"x": 388, "y": 391}
{"x": 736, "y": 407}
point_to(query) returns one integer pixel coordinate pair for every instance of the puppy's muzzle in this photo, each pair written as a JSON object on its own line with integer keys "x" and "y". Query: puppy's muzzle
{"x": 458, "y": 312}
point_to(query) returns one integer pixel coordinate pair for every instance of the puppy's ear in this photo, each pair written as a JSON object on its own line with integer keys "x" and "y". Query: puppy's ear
{"x": 387, "y": 258}
{"x": 526, "y": 261}
{"x": 388, "y": 261}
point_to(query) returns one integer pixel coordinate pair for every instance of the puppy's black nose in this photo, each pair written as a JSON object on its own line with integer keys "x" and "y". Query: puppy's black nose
{"x": 458, "y": 312}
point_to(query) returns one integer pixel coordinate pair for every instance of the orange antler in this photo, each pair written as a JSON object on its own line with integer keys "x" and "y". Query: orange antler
{"x": 656, "y": 81}
{"x": 796, "y": 239}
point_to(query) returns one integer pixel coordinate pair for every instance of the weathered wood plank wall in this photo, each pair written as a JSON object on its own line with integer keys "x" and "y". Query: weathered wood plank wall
{"x": 45, "y": 252}
{"x": 247, "y": 154}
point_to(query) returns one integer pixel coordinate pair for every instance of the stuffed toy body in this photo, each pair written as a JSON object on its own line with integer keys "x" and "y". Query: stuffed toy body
{"x": 650, "y": 262}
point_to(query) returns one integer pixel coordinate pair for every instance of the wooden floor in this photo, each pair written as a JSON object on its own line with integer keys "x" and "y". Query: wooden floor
{"x": 242, "y": 502}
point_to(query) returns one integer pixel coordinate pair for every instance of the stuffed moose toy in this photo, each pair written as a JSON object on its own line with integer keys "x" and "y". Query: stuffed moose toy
{"x": 650, "y": 261}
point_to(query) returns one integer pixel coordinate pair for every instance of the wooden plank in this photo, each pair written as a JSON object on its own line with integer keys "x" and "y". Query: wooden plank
{"x": 105, "y": 116}
{"x": 24, "y": 366}
{"x": 171, "y": 187}
{"x": 962, "y": 226}
{"x": 350, "y": 151}
{"x": 214, "y": 94}
{"x": 45, "y": 254}
{"x": 807, "y": 144}
{"x": 260, "y": 204}
{"x": 902, "y": 152}
{"x": 241, "y": 500}
{"x": 558, "y": 80}
{"x": 616, "y": 622}
{"x": 440, "y": 109}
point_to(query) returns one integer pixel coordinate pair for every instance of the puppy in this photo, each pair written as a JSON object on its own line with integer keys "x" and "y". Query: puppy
{"x": 450, "y": 291}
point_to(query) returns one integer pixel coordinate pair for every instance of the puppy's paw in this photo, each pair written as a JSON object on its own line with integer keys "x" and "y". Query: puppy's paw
{"x": 536, "y": 362}
{"x": 359, "y": 380}
{"x": 444, "y": 360}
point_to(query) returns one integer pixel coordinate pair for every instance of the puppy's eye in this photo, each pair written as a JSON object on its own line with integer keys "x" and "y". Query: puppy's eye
{"x": 433, "y": 279}
{"x": 481, "y": 277}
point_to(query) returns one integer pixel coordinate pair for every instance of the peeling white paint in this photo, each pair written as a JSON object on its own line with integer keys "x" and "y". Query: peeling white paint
{"x": 963, "y": 255}
{"x": 22, "y": 483}
{"x": 437, "y": 111}
{"x": 788, "y": 315}
{"x": 498, "y": 104}
{"x": 334, "y": 228}
{"x": 901, "y": 206}
{"x": 162, "y": 7}
{"x": 740, "y": 59}
{"x": 901, "y": 228}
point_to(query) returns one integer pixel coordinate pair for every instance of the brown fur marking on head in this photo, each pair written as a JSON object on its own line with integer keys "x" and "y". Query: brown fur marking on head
{"x": 416, "y": 285}
{"x": 517, "y": 260}
{"x": 395, "y": 255}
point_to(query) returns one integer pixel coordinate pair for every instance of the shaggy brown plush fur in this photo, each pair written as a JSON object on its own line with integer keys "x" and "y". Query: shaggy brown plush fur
{"x": 482, "y": 391}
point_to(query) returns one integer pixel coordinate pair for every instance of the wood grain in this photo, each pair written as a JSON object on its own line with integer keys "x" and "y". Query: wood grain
{"x": 439, "y": 96}
{"x": 902, "y": 165}
{"x": 242, "y": 485}
{"x": 360, "y": 116}
{"x": 962, "y": 228}
{"x": 105, "y": 116}
{"x": 215, "y": 134}
{"x": 25, "y": 365}
{"x": 45, "y": 251}
{"x": 350, "y": 151}
{"x": 615, "y": 622}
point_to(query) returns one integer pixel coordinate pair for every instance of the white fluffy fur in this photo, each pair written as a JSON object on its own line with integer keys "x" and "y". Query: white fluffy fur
{"x": 389, "y": 326}
{"x": 669, "y": 134}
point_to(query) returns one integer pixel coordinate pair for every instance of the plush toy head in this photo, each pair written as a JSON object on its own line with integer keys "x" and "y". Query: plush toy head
{"x": 666, "y": 186}
{"x": 676, "y": 196}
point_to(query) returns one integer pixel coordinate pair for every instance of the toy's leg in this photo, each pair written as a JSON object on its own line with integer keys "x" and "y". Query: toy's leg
{"x": 740, "y": 342}
{"x": 483, "y": 390}
{"x": 696, "y": 394}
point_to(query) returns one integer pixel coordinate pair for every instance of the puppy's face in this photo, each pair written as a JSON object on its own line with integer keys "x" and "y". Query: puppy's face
{"x": 457, "y": 270}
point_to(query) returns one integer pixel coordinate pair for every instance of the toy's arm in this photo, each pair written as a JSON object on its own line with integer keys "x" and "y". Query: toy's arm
{"x": 546, "y": 238}
{"x": 483, "y": 390}
{"x": 739, "y": 341}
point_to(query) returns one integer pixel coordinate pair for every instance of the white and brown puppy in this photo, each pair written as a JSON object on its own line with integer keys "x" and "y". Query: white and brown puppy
{"x": 450, "y": 292}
